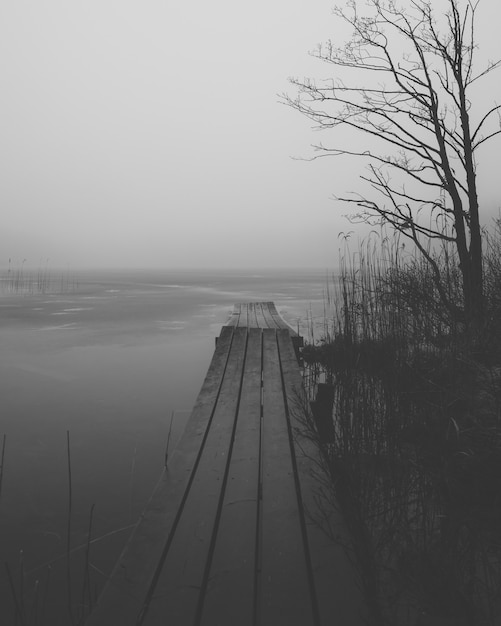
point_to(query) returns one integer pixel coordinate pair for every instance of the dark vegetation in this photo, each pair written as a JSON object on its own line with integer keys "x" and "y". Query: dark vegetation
{"x": 20, "y": 280}
{"x": 413, "y": 446}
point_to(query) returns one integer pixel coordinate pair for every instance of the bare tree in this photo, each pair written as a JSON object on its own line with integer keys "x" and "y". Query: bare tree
{"x": 415, "y": 109}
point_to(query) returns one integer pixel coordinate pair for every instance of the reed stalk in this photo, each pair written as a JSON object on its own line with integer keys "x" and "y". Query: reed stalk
{"x": 46, "y": 594}
{"x": 18, "y": 602}
{"x": 131, "y": 482}
{"x": 21, "y": 583}
{"x": 68, "y": 532}
{"x": 166, "y": 458}
{"x": 82, "y": 546}
{"x": 34, "y": 607}
{"x": 416, "y": 444}
{"x": 2, "y": 462}
{"x": 86, "y": 601}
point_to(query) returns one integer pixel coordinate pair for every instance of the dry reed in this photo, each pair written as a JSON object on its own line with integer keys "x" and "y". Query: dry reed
{"x": 414, "y": 459}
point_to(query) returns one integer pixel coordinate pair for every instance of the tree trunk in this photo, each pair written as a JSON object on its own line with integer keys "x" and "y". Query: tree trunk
{"x": 473, "y": 287}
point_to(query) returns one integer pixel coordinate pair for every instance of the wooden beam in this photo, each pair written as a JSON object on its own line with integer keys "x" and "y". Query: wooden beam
{"x": 122, "y": 601}
{"x": 284, "y": 591}
{"x": 337, "y": 587}
{"x": 181, "y": 580}
{"x": 230, "y": 596}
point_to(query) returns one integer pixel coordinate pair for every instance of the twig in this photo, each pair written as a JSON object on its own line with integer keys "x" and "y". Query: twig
{"x": 21, "y": 580}
{"x": 86, "y": 581}
{"x": 132, "y": 471}
{"x": 81, "y": 547}
{"x": 68, "y": 529}
{"x": 46, "y": 593}
{"x": 168, "y": 439}
{"x": 2, "y": 459}
{"x": 34, "y": 608}
{"x": 19, "y": 612}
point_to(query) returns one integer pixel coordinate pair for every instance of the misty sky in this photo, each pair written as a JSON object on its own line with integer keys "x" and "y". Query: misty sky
{"x": 149, "y": 133}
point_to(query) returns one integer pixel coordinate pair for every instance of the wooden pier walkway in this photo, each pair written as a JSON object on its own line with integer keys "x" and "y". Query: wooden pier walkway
{"x": 230, "y": 536}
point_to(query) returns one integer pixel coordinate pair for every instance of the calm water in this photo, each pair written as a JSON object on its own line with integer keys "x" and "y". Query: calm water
{"x": 109, "y": 361}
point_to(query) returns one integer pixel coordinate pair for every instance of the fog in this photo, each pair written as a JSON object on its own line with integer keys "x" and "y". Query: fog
{"x": 150, "y": 134}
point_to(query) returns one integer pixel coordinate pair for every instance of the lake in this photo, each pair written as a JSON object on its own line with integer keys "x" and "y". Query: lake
{"x": 106, "y": 362}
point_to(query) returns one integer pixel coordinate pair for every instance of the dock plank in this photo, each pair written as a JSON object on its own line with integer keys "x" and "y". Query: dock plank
{"x": 258, "y": 315}
{"x": 262, "y": 321}
{"x": 230, "y": 595}
{"x": 122, "y": 601}
{"x": 330, "y": 565}
{"x": 284, "y": 593}
{"x": 252, "y": 319}
{"x": 234, "y": 318}
{"x": 269, "y": 320}
{"x": 232, "y": 534}
{"x": 279, "y": 320}
{"x": 177, "y": 590}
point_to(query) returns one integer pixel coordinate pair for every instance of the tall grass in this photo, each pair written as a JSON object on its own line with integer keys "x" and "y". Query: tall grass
{"x": 65, "y": 589}
{"x": 19, "y": 279}
{"x": 414, "y": 452}
{"x": 2, "y": 461}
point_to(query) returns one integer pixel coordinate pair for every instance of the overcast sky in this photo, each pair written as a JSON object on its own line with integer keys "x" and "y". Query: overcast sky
{"x": 143, "y": 133}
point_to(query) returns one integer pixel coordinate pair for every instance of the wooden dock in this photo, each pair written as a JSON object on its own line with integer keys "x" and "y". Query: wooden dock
{"x": 231, "y": 534}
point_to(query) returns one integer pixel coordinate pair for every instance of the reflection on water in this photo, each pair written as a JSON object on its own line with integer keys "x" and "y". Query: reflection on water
{"x": 132, "y": 350}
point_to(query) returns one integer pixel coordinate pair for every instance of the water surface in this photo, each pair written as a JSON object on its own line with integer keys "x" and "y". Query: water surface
{"x": 109, "y": 361}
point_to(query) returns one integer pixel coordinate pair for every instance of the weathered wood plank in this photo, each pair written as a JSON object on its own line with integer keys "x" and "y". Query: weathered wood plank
{"x": 337, "y": 588}
{"x": 258, "y": 315}
{"x": 279, "y": 320}
{"x": 235, "y": 315}
{"x": 177, "y": 592}
{"x": 262, "y": 322}
{"x": 284, "y": 593}
{"x": 230, "y": 594}
{"x": 244, "y": 316}
{"x": 269, "y": 320}
{"x": 231, "y": 535}
{"x": 122, "y": 600}
{"x": 252, "y": 320}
